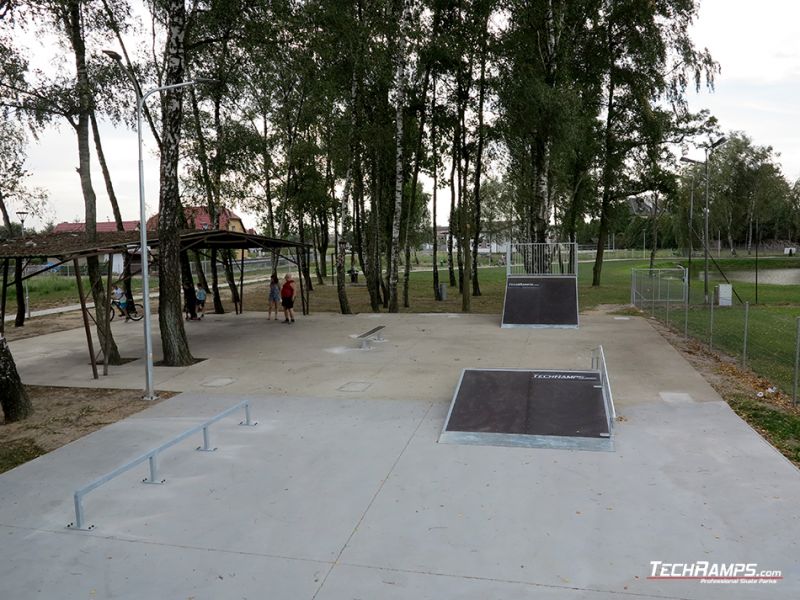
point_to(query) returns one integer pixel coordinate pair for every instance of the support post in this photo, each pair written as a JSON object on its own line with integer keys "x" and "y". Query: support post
{"x": 711, "y": 325}
{"x": 633, "y": 288}
{"x": 85, "y": 318}
{"x": 206, "y": 447}
{"x": 241, "y": 283}
{"x": 152, "y": 461}
{"x": 107, "y": 315}
{"x": 79, "y": 518}
{"x": 746, "y": 328}
{"x": 247, "y": 420}
{"x": 3, "y": 299}
{"x": 687, "y": 277}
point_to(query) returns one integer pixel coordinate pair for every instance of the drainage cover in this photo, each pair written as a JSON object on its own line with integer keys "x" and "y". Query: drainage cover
{"x": 533, "y": 409}
{"x": 355, "y": 386}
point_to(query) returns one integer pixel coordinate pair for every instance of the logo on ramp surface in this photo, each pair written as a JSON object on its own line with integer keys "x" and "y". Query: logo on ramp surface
{"x": 565, "y": 376}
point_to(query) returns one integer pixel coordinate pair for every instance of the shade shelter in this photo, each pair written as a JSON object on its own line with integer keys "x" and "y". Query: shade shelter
{"x": 58, "y": 249}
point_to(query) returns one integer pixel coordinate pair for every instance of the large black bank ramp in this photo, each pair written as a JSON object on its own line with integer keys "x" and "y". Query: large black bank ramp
{"x": 532, "y": 409}
{"x": 541, "y": 301}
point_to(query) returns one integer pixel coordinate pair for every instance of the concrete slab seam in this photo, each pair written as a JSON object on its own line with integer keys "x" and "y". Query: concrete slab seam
{"x": 514, "y": 582}
{"x": 374, "y": 497}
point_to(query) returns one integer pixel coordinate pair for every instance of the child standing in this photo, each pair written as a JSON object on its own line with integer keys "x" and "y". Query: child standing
{"x": 200, "y": 294}
{"x": 274, "y": 296}
{"x": 287, "y": 298}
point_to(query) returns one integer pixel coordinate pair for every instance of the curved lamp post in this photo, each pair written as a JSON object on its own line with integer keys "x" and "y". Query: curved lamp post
{"x": 708, "y": 150}
{"x": 140, "y": 98}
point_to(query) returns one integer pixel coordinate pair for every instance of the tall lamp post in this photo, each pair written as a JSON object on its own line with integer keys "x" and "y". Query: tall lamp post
{"x": 148, "y": 336}
{"x": 708, "y": 150}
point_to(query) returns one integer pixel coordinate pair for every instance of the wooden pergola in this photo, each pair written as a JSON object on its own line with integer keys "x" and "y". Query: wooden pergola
{"x": 64, "y": 248}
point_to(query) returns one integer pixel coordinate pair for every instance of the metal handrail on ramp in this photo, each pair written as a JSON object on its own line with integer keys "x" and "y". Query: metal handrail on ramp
{"x": 599, "y": 364}
{"x": 152, "y": 457}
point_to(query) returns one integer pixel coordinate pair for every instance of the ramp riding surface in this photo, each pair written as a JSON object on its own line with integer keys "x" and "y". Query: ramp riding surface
{"x": 535, "y": 409}
{"x": 541, "y": 301}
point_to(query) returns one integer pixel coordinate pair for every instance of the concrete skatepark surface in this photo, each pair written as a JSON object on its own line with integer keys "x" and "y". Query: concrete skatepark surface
{"x": 341, "y": 492}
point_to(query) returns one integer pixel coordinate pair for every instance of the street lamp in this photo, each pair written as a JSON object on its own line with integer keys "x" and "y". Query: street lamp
{"x": 708, "y": 150}
{"x": 140, "y": 98}
{"x": 22, "y": 214}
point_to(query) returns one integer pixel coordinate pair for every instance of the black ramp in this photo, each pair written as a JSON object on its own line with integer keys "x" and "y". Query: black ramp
{"x": 537, "y": 301}
{"x": 491, "y": 401}
{"x": 531, "y": 408}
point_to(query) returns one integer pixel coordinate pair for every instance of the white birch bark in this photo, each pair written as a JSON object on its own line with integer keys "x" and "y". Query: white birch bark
{"x": 400, "y": 97}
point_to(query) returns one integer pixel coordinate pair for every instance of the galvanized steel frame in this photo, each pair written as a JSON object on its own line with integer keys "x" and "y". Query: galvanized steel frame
{"x": 152, "y": 457}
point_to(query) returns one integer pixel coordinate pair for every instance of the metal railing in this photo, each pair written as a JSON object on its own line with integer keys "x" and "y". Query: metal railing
{"x": 542, "y": 259}
{"x": 152, "y": 457}
{"x": 599, "y": 365}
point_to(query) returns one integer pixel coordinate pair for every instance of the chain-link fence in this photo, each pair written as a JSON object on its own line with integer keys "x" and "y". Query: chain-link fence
{"x": 764, "y": 338}
{"x": 542, "y": 258}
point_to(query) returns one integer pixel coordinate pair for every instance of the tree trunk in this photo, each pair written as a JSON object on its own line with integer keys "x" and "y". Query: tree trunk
{"x": 452, "y": 223}
{"x": 112, "y": 198}
{"x": 19, "y": 321}
{"x": 198, "y": 268}
{"x": 218, "y": 307}
{"x": 13, "y": 398}
{"x": 372, "y": 271}
{"x": 19, "y": 288}
{"x": 436, "y": 295}
{"x": 174, "y": 344}
{"x": 397, "y": 215}
{"x": 230, "y": 278}
{"x": 73, "y": 21}
{"x": 655, "y": 232}
{"x": 476, "y": 288}
{"x": 608, "y": 174}
{"x": 213, "y": 213}
{"x": 411, "y": 212}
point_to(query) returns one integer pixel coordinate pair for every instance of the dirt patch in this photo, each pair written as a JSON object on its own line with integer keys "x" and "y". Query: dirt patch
{"x": 43, "y": 325}
{"x": 62, "y": 415}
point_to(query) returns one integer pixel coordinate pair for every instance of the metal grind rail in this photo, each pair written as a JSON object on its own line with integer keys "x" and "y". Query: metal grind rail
{"x": 152, "y": 457}
{"x": 599, "y": 364}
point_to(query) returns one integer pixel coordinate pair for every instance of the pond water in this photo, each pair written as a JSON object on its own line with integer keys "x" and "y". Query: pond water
{"x": 775, "y": 276}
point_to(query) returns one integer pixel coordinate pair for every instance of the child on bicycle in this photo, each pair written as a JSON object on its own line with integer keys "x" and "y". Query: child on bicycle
{"x": 120, "y": 301}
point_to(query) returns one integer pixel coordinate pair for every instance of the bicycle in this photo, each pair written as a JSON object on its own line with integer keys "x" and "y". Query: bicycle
{"x": 134, "y": 311}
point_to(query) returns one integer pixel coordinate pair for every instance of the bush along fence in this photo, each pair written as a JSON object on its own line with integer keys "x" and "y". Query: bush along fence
{"x": 762, "y": 337}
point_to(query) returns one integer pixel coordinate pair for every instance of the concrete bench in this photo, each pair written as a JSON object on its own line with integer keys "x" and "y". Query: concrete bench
{"x": 376, "y": 333}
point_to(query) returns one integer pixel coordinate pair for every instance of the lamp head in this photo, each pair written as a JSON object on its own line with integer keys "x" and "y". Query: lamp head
{"x": 686, "y": 159}
{"x": 112, "y": 54}
{"x": 719, "y": 142}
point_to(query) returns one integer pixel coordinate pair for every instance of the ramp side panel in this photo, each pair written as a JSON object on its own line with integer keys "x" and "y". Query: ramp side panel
{"x": 541, "y": 301}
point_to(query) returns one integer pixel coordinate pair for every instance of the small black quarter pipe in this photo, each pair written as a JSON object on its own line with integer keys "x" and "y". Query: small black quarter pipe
{"x": 541, "y": 301}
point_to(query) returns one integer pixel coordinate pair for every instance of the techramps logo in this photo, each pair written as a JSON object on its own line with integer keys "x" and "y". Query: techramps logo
{"x": 714, "y": 573}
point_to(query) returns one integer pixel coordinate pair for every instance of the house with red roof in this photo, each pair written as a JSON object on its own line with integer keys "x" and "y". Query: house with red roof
{"x": 197, "y": 217}
{"x": 102, "y": 227}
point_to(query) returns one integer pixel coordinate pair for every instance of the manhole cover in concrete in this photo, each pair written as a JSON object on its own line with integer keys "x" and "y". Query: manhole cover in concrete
{"x": 218, "y": 382}
{"x": 355, "y": 386}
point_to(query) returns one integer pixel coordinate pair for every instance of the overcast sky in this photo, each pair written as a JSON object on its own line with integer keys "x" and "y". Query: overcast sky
{"x": 758, "y": 92}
